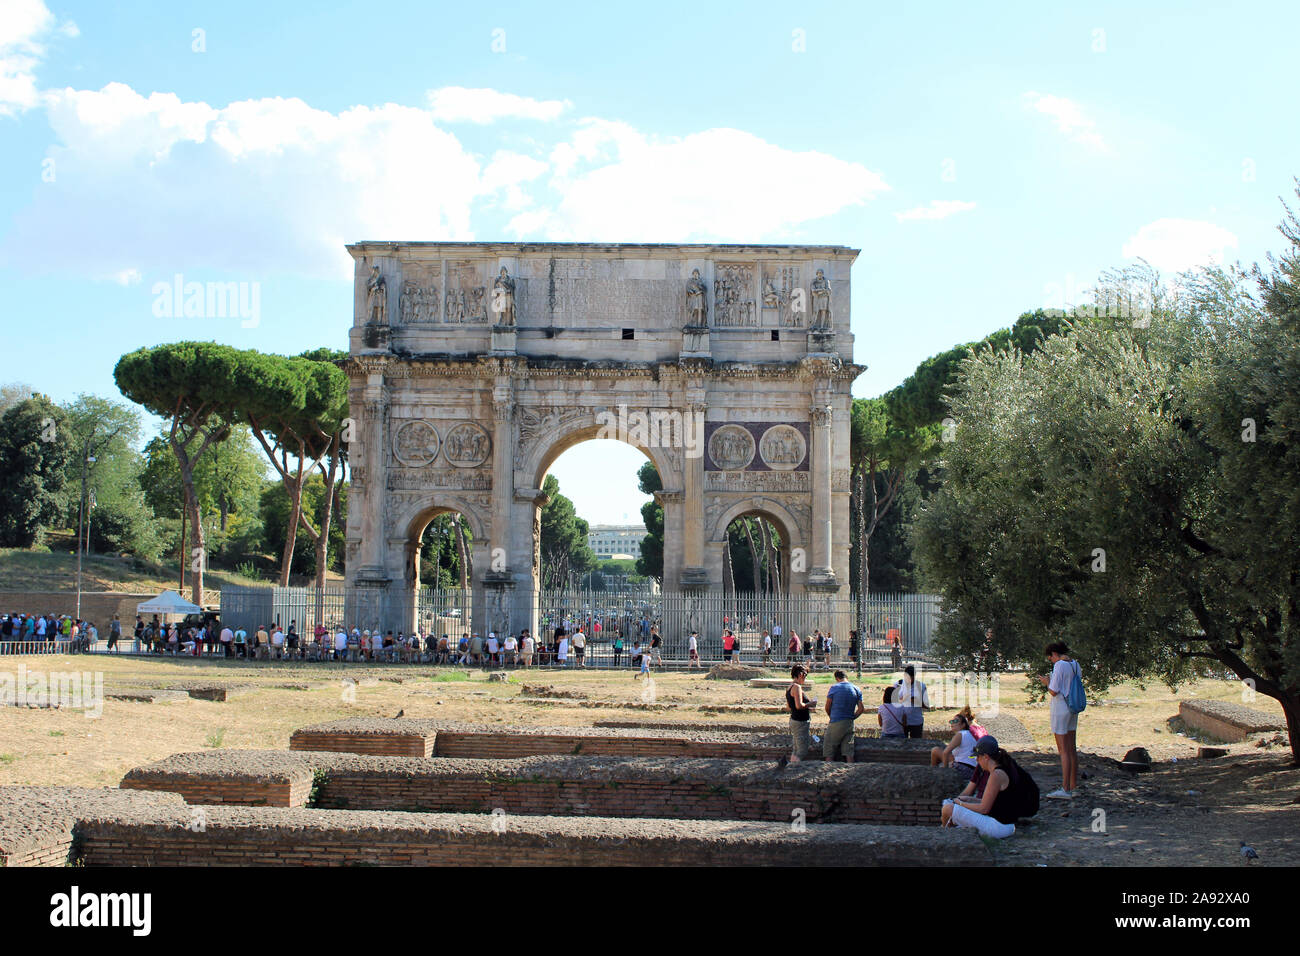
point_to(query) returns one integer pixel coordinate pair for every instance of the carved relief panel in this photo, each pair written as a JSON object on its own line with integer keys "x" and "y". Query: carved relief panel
{"x": 784, "y": 302}
{"x": 415, "y": 443}
{"x": 467, "y": 297}
{"x": 467, "y": 445}
{"x": 756, "y": 446}
{"x": 733, "y": 295}
{"x": 419, "y": 299}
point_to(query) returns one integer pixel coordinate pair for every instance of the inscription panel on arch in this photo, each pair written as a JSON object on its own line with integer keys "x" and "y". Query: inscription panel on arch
{"x": 438, "y": 479}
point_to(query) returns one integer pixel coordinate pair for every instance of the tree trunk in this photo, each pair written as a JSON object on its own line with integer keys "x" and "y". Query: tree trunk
{"x": 180, "y": 554}
{"x": 294, "y": 487}
{"x": 1291, "y": 710}
{"x": 323, "y": 536}
{"x": 197, "y": 556}
{"x": 462, "y": 553}
{"x": 755, "y": 558}
{"x": 728, "y": 578}
{"x": 864, "y": 564}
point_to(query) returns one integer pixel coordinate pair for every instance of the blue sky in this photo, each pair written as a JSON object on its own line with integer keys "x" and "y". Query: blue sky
{"x": 986, "y": 162}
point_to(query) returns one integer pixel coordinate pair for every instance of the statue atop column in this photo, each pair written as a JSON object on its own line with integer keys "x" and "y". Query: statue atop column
{"x": 503, "y": 298}
{"x": 697, "y": 307}
{"x": 376, "y": 298}
{"x": 821, "y": 304}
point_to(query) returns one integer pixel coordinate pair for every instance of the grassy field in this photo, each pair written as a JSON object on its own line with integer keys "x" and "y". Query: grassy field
{"x": 42, "y": 746}
{"x": 32, "y": 570}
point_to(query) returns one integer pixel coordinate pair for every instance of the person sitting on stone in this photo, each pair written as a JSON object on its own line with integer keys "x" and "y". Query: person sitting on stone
{"x": 960, "y": 751}
{"x": 891, "y": 717}
{"x": 1000, "y": 794}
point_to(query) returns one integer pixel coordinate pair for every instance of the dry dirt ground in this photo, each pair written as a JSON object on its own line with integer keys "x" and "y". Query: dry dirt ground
{"x": 1188, "y": 811}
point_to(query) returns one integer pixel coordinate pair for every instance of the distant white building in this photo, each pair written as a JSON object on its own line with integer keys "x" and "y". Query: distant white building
{"x": 610, "y": 541}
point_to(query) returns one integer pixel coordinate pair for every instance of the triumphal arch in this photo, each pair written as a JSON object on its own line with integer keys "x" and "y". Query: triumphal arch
{"x": 473, "y": 366}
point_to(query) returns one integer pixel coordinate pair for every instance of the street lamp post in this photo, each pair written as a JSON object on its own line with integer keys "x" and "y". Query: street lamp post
{"x": 83, "y": 526}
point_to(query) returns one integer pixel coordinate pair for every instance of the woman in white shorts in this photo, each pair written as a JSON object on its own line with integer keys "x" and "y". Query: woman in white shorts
{"x": 993, "y": 811}
{"x": 1065, "y": 722}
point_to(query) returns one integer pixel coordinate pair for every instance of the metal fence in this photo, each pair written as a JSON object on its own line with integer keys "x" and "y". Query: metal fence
{"x": 908, "y": 619}
{"x": 445, "y": 611}
{"x": 905, "y": 621}
{"x": 254, "y": 607}
{"x": 59, "y": 646}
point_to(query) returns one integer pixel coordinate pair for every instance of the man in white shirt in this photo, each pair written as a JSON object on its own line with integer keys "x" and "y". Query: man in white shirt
{"x": 227, "y": 635}
{"x": 494, "y": 649}
{"x": 693, "y": 649}
{"x": 277, "y": 643}
{"x": 529, "y": 646}
{"x": 767, "y": 648}
{"x": 341, "y": 645}
{"x": 511, "y": 646}
{"x": 580, "y": 647}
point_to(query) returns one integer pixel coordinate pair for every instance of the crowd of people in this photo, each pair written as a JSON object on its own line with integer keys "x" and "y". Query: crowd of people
{"x": 19, "y": 632}
{"x": 998, "y": 791}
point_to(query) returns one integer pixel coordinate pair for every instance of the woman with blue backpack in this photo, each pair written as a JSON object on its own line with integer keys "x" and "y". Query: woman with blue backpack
{"x": 1066, "y": 689}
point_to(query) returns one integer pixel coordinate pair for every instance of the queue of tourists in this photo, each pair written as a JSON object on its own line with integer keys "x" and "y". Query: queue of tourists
{"x": 32, "y": 633}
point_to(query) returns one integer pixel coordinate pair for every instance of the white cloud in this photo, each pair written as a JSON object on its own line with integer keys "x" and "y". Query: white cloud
{"x": 458, "y": 104}
{"x": 128, "y": 277}
{"x": 1174, "y": 245}
{"x": 1069, "y": 117}
{"x": 615, "y": 183}
{"x": 23, "y": 24}
{"x": 158, "y": 185}
{"x": 938, "y": 209}
{"x": 273, "y": 185}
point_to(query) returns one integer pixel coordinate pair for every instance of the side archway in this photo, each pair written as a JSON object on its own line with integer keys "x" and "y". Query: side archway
{"x": 790, "y": 573}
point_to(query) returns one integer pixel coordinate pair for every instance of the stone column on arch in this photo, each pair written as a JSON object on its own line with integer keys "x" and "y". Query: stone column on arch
{"x": 503, "y": 474}
{"x": 821, "y": 574}
{"x": 525, "y": 556}
{"x": 694, "y": 573}
{"x": 671, "y": 503}
{"x": 367, "y": 594}
{"x": 495, "y": 587}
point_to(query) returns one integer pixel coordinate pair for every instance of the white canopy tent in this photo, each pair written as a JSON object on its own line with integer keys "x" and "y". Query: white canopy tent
{"x": 169, "y": 602}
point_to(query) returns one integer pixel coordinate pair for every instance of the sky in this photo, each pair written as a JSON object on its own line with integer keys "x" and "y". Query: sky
{"x": 986, "y": 162}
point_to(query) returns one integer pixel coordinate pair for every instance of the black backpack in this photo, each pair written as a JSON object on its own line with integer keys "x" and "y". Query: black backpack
{"x": 1025, "y": 791}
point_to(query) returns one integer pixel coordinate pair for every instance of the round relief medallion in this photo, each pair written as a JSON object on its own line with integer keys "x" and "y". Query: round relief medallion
{"x": 731, "y": 448}
{"x": 416, "y": 443}
{"x": 466, "y": 445}
{"x": 782, "y": 448}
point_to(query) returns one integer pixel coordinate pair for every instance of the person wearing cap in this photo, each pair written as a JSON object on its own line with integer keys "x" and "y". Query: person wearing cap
{"x": 493, "y": 649}
{"x": 995, "y": 799}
